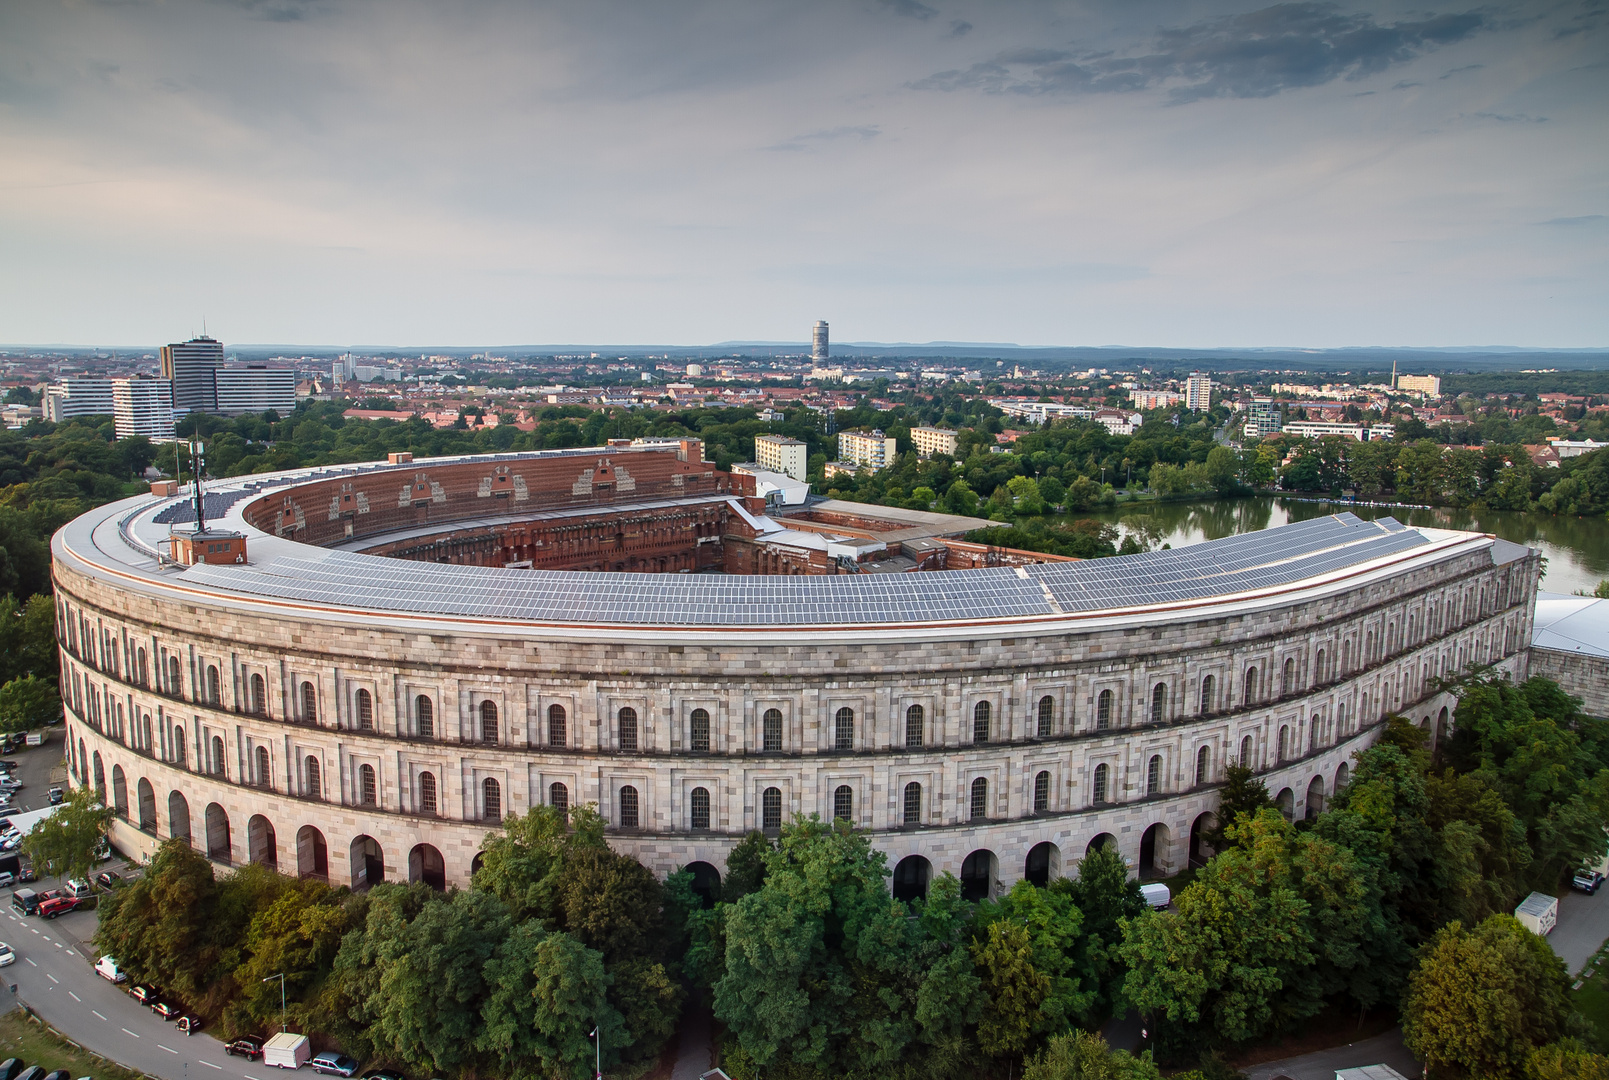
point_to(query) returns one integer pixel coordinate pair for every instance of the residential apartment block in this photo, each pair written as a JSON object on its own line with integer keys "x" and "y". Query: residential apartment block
{"x": 780, "y": 454}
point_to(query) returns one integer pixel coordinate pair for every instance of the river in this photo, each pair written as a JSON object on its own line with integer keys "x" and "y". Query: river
{"x": 1577, "y": 549}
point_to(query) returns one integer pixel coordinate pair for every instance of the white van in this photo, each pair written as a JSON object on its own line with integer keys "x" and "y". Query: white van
{"x": 1156, "y": 895}
{"x": 107, "y": 969}
{"x": 287, "y": 1050}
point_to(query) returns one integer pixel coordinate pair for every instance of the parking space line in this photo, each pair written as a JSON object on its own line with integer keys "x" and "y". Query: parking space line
{"x": 169, "y": 1049}
{"x": 210, "y": 1065}
{"x": 52, "y": 978}
{"x": 31, "y": 928}
{"x": 31, "y": 960}
{"x": 126, "y": 1031}
{"x": 97, "y": 1014}
{"x": 57, "y": 944}
{"x": 75, "y": 997}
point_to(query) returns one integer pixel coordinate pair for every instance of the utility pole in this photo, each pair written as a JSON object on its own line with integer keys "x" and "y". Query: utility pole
{"x": 281, "y": 978}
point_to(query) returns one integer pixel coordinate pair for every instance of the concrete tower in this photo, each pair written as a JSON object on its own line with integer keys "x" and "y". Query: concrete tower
{"x": 818, "y": 342}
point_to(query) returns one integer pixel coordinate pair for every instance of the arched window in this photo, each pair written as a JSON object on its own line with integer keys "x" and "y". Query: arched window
{"x": 309, "y": 703}
{"x": 915, "y": 719}
{"x": 700, "y": 724}
{"x": 1153, "y": 775}
{"x": 1203, "y": 765}
{"x": 844, "y": 730}
{"x": 1159, "y": 703}
{"x": 178, "y": 745}
{"x": 1102, "y": 772}
{"x": 259, "y": 695}
{"x": 488, "y": 722}
{"x": 771, "y": 733}
{"x": 701, "y": 808}
{"x": 214, "y": 692}
{"x": 1289, "y": 686}
{"x": 628, "y": 728}
{"x": 144, "y": 669}
{"x": 365, "y": 711}
{"x": 1284, "y": 739}
{"x": 913, "y": 804}
{"x": 771, "y": 810}
{"x": 313, "y": 785}
{"x": 1319, "y": 674}
{"x": 175, "y": 677}
{"x": 491, "y": 797}
{"x": 1103, "y": 711}
{"x": 980, "y": 722}
{"x": 559, "y": 799}
{"x": 1209, "y": 687}
{"x": 558, "y": 726}
{"x": 1245, "y": 753}
{"x": 424, "y": 711}
{"x": 1251, "y": 686}
{"x": 843, "y": 803}
{"x": 1313, "y": 732}
{"x": 1368, "y": 648}
{"x": 265, "y": 769}
{"x": 980, "y": 799}
{"x": 427, "y": 793}
{"x": 1042, "y": 793}
{"x": 368, "y": 791}
{"x": 1047, "y": 716}
{"x": 217, "y": 755}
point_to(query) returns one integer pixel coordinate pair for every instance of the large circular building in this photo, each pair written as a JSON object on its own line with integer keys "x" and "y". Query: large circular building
{"x": 357, "y": 671}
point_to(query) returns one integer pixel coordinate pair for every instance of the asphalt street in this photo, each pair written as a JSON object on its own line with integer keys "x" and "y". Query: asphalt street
{"x": 54, "y": 976}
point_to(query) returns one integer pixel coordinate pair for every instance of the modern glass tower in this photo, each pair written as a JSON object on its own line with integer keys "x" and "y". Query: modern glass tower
{"x": 192, "y": 366}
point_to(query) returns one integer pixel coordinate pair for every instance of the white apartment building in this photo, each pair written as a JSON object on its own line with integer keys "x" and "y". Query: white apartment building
{"x": 1429, "y": 385}
{"x": 872, "y": 449}
{"x": 143, "y": 406}
{"x": 1154, "y": 399}
{"x": 1119, "y": 421}
{"x": 1317, "y": 429}
{"x": 780, "y": 454}
{"x": 931, "y": 440}
{"x": 78, "y": 395}
{"x": 255, "y": 389}
{"x": 1198, "y": 391}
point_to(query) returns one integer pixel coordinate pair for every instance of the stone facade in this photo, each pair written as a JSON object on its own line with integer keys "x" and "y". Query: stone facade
{"x": 1583, "y": 674}
{"x": 340, "y": 743}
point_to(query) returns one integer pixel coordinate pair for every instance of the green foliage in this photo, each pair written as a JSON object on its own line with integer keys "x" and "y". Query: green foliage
{"x": 1482, "y": 1000}
{"x": 1243, "y": 795}
{"x": 1567, "y": 1059}
{"x": 1013, "y": 989}
{"x": 745, "y": 867}
{"x": 1083, "y": 539}
{"x": 64, "y": 843}
{"x": 1106, "y": 896}
{"x": 28, "y": 639}
{"x": 1084, "y": 1055}
{"x": 28, "y": 702}
{"x": 548, "y": 992}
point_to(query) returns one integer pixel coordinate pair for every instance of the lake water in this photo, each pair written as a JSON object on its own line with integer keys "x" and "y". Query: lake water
{"x": 1577, "y": 549}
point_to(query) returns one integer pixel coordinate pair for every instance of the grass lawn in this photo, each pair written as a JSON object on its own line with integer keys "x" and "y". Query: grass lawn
{"x": 1593, "y": 1002}
{"x": 36, "y": 1044}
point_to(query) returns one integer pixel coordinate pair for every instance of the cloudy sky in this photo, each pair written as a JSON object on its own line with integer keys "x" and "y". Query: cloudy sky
{"x": 1076, "y": 172}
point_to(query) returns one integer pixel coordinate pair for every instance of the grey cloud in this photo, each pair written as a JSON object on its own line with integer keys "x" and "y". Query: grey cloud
{"x": 1406, "y": 85}
{"x": 1568, "y": 222}
{"x": 1461, "y": 70}
{"x": 960, "y": 28}
{"x": 1255, "y": 54}
{"x": 276, "y": 10}
{"x": 804, "y": 142}
{"x": 1512, "y": 118}
{"x": 912, "y": 9}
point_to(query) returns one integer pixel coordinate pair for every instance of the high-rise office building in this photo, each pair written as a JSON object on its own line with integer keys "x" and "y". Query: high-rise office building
{"x": 255, "y": 389}
{"x": 818, "y": 341}
{"x": 142, "y": 405}
{"x": 192, "y": 367}
{"x": 1198, "y": 391}
{"x": 78, "y": 395}
{"x": 1263, "y": 418}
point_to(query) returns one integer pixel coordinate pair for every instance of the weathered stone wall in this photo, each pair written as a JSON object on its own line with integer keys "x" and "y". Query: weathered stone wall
{"x": 1585, "y": 676}
{"x": 1297, "y": 685}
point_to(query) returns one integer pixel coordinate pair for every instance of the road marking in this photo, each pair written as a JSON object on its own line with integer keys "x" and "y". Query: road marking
{"x": 97, "y": 1014}
{"x": 210, "y": 1065}
{"x": 169, "y": 1049}
{"x": 31, "y": 960}
{"x": 35, "y": 931}
{"x": 75, "y": 997}
{"x": 126, "y": 1031}
{"x": 52, "y": 978}
{"x": 57, "y": 944}
{"x": 47, "y": 937}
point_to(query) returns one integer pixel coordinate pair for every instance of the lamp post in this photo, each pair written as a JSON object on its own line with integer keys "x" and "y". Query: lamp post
{"x": 281, "y": 978}
{"x": 597, "y": 1043}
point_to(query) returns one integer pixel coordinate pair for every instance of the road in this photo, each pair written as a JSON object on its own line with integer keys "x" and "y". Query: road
{"x": 1583, "y": 927}
{"x": 54, "y": 976}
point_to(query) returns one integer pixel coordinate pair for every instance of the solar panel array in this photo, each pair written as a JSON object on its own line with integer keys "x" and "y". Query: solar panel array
{"x": 183, "y": 512}
{"x": 1237, "y": 564}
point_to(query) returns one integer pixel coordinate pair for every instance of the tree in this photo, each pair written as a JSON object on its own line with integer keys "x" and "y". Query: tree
{"x": 1084, "y": 1055}
{"x": 64, "y": 843}
{"x": 1482, "y": 1000}
{"x": 28, "y": 702}
{"x": 548, "y": 992}
{"x": 745, "y": 867}
{"x": 28, "y": 639}
{"x": 1106, "y": 896}
{"x": 1242, "y": 795}
{"x": 1013, "y": 989}
{"x": 1223, "y": 469}
{"x": 160, "y": 926}
{"x": 1567, "y": 1059}
{"x": 297, "y": 935}
{"x": 522, "y": 863}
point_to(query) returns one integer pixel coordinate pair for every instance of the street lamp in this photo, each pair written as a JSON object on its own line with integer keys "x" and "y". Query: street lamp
{"x": 597, "y": 1042}
{"x": 281, "y": 978}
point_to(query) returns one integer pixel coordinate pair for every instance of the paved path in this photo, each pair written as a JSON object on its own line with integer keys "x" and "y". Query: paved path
{"x": 1384, "y": 1049}
{"x": 1583, "y": 927}
{"x": 694, "y": 1054}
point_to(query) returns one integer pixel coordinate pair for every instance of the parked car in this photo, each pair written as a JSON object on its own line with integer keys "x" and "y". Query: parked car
{"x": 108, "y": 879}
{"x": 8, "y": 955}
{"x": 56, "y": 795}
{"x": 57, "y": 905}
{"x": 144, "y": 993}
{"x": 27, "y": 872}
{"x": 7, "y": 879}
{"x": 247, "y": 1046}
{"x": 167, "y": 1010}
{"x": 25, "y": 901}
{"x": 383, "y": 1074}
{"x": 59, "y": 1074}
{"x": 9, "y": 810}
{"x": 10, "y": 1067}
{"x": 107, "y": 969}
{"x": 32, "y": 1072}
{"x": 334, "y": 1064}
{"x": 189, "y": 1023}
{"x": 1586, "y": 881}
{"x": 78, "y": 888}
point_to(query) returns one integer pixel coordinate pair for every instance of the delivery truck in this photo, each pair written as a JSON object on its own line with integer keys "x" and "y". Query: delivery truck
{"x": 1538, "y": 913}
{"x": 287, "y": 1050}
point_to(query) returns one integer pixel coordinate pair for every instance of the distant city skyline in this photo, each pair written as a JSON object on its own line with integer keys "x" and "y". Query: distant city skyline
{"x": 1213, "y": 175}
